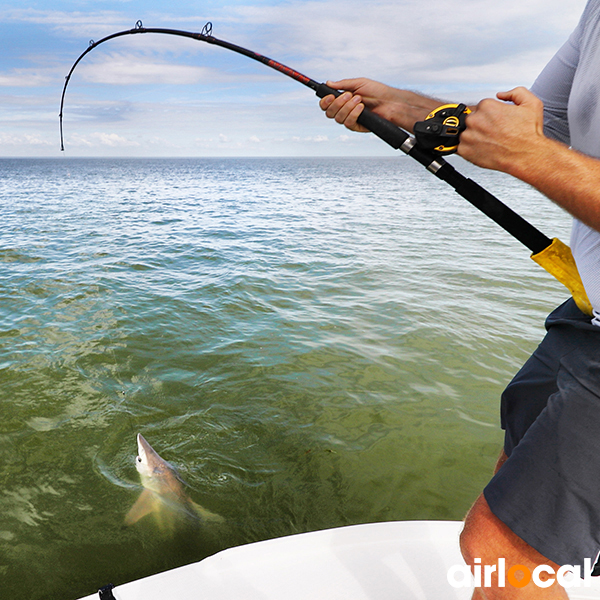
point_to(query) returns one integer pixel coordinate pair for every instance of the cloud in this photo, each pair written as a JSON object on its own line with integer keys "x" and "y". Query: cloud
{"x": 26, "y": 78}
{"x": 25, "y": 140}
{"x": 410, "y": 40}
{"x": 110, "y": 140}
{"x": 92, "y": 22}
{"x": 404, "y": 43}
{"x": 133, "y": 69}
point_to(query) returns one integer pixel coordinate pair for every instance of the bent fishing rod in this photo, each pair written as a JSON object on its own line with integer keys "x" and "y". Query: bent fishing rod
{"x": 436, "y": 136}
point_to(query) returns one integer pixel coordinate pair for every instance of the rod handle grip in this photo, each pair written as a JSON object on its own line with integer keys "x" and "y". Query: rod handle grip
{"x": 382, "y": 128}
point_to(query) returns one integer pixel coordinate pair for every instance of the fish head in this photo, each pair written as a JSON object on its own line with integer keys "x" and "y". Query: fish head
{"x": 148, "y": 463}
{"x": 141, "y": 460}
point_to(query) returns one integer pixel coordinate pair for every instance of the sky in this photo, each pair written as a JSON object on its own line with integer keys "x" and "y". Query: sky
{"x": 157, "y": 95}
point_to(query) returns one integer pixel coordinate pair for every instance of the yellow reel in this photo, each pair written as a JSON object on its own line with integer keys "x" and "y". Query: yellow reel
{"x": 441, "y": 129}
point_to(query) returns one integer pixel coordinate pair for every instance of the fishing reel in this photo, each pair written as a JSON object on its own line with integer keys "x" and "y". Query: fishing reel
{"x": 441, "y": 129}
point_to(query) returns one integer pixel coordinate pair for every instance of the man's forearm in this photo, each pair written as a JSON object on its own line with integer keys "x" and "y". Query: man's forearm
{"x": 568, "y": 178}
{"x": 406, "y": 108}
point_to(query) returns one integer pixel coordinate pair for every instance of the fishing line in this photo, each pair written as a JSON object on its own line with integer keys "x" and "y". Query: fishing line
{"x": 435, "y": 136}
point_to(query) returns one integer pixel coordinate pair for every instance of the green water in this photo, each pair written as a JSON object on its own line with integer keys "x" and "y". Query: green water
{"x": 313, "y": 343}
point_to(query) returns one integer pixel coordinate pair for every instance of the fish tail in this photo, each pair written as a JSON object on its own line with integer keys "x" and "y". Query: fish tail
{"x": 205, "y": 514}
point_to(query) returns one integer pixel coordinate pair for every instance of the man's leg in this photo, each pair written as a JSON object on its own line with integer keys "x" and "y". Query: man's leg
{"x": 560, "y": 376}
{"x": 487, "y": 538}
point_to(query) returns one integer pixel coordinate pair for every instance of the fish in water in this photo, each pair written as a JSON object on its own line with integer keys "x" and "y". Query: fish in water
{"x": 164, "y": 491}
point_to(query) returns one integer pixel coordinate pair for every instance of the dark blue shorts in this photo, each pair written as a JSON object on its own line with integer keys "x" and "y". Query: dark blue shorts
{"x": 548, "y": 491}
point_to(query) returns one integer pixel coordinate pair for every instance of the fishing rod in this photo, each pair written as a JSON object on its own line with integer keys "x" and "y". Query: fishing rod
{"x": 434, "y": 137}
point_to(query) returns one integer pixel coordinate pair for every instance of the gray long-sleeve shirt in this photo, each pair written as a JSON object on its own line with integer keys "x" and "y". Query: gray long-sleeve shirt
{"x": 569, "y": 87}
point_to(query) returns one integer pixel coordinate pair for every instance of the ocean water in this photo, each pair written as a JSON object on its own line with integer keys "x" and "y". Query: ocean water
{"x": 312, "y": 342}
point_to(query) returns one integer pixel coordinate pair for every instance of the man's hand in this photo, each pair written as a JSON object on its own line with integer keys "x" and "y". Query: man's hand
{"x": 398, "y": 106}
{"x": 502, "y": 136}
{"x": 510, "y": 138}
{"x": 345, "y": 109}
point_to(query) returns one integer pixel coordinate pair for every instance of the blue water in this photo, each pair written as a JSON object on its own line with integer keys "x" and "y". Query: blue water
{"x": 312, "y": 342}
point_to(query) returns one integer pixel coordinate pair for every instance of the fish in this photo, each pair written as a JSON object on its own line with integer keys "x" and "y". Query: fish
{"x": 164, "y": 492}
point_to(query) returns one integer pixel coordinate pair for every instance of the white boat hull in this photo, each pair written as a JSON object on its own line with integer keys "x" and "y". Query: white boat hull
{"x": 406, "y": 560}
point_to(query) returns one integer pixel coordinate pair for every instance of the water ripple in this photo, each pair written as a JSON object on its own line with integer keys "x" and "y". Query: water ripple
{"x": 312, "y": 342}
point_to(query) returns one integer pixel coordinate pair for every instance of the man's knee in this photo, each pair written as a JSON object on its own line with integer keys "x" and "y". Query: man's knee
{"x": 485, "y": 536}
{"x": 482, "y": 528}
{"x": 475, "y": 531}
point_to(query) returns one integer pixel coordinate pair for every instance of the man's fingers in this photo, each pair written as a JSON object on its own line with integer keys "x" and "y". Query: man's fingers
{"x": 338, "y": 103}
{"x": 346, "y": 84}
{"x": 519, "y": 96}
{"x": 339, "y": 108}
{"x": 351, "y": 119}
{"x": 346, "y": 109}
{"x": 325, "y": 102}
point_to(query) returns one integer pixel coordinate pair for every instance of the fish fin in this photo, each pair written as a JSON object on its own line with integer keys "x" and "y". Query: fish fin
{"x": 143, "y": 506}
{"x": 205, "y": 514}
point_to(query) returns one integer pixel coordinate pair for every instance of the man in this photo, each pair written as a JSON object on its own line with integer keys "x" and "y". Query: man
{"x": 542, "y": 507}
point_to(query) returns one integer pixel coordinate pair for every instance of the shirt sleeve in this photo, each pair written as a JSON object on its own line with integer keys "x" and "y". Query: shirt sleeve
{"x": 553, "y": 87}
